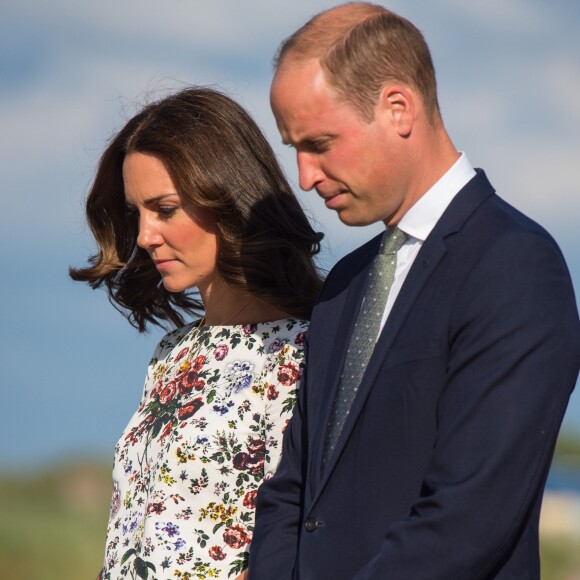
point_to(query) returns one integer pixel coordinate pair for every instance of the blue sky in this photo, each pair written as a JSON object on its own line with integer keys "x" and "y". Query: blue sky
{"x": 71, "y": 73}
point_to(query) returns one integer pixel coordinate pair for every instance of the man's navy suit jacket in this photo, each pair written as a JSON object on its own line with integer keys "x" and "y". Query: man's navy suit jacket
{"x": 440, "y": 469}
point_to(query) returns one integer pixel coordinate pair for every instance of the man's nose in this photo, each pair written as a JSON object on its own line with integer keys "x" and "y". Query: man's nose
{"x": 309, "y": 171}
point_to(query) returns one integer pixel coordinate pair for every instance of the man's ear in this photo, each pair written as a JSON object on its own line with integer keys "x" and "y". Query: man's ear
{"x": 398, "y": 106}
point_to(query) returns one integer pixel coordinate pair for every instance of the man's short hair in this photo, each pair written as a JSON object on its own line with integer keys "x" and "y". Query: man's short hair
{"x": 360, "y": 47}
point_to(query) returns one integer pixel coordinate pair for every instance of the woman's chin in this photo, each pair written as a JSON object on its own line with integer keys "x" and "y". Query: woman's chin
{"x": 173, "y": 286}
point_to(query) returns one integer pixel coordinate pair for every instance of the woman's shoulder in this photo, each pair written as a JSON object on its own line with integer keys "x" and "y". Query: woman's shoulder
{"x": 287, "y": 330}
{"x": 264, "y": 337}
{"x": 283, "y": 326}
{"x": 172, "y": 338}
{"x": 282, "y": 340}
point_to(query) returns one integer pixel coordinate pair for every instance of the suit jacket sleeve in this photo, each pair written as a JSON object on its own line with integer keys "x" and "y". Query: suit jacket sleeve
{"x": 513, "y": 360}
{"x": 279, "y": 503}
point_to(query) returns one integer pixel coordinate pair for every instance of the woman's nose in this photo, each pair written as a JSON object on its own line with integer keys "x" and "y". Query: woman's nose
{"x": 149, "y": 234}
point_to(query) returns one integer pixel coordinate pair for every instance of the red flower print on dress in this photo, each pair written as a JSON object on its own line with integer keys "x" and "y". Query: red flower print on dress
{"x": 220, "y": 352}
{"x": 249, "y": 328}
{"x": 156, "y": 389}
{"x": 256, "y": 466}
{"x": 198, "y": 362}
{"x": 167, "y": 430}
{"x": 253, "y": 461}
{"x": 155, "y": 507}
{"x": 250, "y": 499}
{"x": 181, "y": 354}
{"x": 186, "y": 382}
{"x": 236, "y": 536}
{"x": 272, "y": 393}
{"x": 299, "y": 340}
{"x": 132, "y": 436}
{"x": 256, "y": 446}
{"x": 216, "y": 553}
{"x": 189, "y": 409}
{"x": 167, "y": 393}
{"x": 240, "y": 460}
{"x": 288, "y": 374}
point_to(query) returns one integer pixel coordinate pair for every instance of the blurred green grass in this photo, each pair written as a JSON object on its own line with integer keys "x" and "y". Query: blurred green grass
{"x": 560, "y": 558}
{"x": 53, "y": 523}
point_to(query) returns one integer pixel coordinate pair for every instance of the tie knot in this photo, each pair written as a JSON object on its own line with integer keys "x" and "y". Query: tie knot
{"x": 392, "y": 241}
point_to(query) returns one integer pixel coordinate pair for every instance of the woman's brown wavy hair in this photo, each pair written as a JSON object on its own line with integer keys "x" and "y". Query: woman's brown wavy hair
{"x": 219, "y": 160}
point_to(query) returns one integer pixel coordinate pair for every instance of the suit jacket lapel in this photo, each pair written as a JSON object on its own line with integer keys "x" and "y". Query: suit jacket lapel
{"x": 329, "y": 358}
{"x": 431, "y": 253}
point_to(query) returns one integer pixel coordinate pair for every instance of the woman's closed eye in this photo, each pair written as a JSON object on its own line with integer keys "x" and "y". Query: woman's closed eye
{"x": 166, "y": 211}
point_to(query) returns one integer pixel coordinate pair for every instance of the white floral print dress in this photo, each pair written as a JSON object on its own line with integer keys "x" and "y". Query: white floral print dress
{"x": 207, "y": 432}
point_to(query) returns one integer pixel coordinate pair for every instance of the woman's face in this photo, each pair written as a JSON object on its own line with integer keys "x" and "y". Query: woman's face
{"x": 180, "y": 239}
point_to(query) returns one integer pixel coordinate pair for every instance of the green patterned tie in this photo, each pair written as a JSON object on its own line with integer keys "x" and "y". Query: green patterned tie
{"x": 364, "y": 334}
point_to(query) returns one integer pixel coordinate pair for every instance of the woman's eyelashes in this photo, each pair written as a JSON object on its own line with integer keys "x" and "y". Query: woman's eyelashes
{"x": 167, "y": 211}
{"x": 164, "y": 212}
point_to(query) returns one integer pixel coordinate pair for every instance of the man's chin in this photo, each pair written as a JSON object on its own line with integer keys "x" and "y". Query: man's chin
{"x": 348, "y": 219}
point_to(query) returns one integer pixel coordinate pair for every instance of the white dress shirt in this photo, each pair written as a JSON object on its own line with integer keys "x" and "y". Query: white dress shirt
{"x": 421, "y": 218}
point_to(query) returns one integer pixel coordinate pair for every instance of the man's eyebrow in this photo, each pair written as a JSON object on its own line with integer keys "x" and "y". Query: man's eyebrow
{"x": 310, "y": 141}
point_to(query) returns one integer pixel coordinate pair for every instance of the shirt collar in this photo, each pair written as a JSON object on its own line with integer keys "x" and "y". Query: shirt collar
{"x": 425, "y": 213}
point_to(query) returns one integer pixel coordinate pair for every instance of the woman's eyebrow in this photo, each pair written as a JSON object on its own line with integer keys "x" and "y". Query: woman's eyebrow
{"x": 153, "y": 200}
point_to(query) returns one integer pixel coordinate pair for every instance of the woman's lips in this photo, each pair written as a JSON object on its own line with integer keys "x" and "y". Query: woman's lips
{"x": 161, "y": 264}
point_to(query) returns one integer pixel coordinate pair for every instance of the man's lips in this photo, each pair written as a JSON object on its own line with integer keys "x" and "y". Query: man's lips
{"x": 332, "y": 200}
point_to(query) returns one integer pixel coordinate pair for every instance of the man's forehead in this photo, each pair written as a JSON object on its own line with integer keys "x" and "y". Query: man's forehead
{"x": 309, "y": 113}
{"x": 301, "y": 95}
{"x": 305, "y": 72}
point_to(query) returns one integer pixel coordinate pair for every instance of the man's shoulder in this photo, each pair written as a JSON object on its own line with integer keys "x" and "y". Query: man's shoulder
{"x": 357, "y": 259}
{"x": 480, "y": 216}
{"x": 349, "y": 267}
{"x": 503, "y": 222}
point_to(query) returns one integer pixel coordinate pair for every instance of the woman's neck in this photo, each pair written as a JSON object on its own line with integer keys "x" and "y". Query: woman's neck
{"x": 225, "y": 305}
